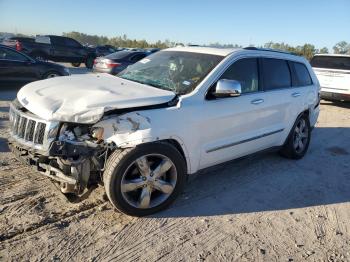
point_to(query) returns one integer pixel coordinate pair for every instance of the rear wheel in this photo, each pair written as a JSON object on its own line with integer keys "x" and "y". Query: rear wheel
{"x": 89, "y": 62}
{"x": 76, "y": 64}
{"x": 299, "y": 139}
{"x": 146, "y": 179}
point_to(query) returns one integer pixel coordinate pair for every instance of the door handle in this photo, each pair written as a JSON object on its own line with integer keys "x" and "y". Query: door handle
{"x": 257, "y": 101}
{"x": 296, "y": 94}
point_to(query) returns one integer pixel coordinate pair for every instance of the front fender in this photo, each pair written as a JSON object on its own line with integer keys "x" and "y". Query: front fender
{"x": 132, "y": 129}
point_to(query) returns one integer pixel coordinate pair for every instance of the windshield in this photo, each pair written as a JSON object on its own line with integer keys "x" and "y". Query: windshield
{"x": 176, "y": 71}
{"x": 331, "y": 62}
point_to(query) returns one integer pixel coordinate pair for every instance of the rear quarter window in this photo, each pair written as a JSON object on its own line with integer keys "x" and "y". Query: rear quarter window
{"x": 331, "y": 62}
{"x": 303, "y": 77}
{"x": 276, "y": 74}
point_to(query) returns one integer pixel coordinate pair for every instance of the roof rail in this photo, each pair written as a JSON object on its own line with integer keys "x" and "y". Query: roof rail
{"x": 270, "y": 50}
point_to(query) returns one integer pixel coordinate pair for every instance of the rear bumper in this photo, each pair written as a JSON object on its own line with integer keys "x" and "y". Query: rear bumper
{"x": 335, "y": 96}
{"x": 102, "y": 70}
{"x": 112, "y": 71}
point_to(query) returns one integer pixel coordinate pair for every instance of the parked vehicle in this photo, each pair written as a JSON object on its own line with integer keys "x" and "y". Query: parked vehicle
{"x": 117, "y": 62}
{"x": 103, "y": 50}
{"x": 57, "y": 49}
{"x": 333, "y": 72}
{"x": 18, "y": 69}
{"x": 152, "y": 50}
{"x": 173, "y": 113}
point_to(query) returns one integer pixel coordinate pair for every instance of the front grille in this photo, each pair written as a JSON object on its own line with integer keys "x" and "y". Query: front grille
{"x": 27, "y": 128}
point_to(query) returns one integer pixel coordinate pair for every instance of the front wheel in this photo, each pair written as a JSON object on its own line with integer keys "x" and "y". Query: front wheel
{"x": 146, "y": 179}
{"x": 51, "y": 74}
{"x": 298, "y": 140}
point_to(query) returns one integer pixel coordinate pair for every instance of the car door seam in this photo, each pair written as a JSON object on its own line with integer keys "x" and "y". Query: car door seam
{"x": 243, "y": 141}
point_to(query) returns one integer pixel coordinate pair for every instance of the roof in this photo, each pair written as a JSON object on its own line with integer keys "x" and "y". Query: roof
{"x": 204, "y": 50}
{"x": 228, "y": 51}
{"x": 339, "y": 55}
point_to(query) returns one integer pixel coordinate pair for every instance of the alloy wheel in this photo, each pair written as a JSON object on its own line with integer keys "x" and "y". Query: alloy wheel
{"x": 52, "y": 75}
{"x": 149, "y": 181}
{"x": 301, "y": 136}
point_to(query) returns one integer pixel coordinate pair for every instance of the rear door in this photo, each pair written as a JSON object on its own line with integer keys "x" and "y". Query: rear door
{"x": 280, "y": 98}
{"x": 75, "y": 51}
{"x": 58, "y": 49}
{"x": 67, "y": 50}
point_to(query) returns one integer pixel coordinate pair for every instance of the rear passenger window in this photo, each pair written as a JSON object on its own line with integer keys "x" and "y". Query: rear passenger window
{"x": 137, "y": 57}
{"x": 303, "y": 76}
{"x": 244, "y": 71}
{"x": 276, "y": 74}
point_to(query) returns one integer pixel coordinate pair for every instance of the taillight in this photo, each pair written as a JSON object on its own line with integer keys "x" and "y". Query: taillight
{"x": 18, "y": 46}
{"x": 112, "y": 64}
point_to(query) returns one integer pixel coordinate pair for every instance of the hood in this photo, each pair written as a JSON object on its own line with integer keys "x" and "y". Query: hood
{"x": 85, "y": 98}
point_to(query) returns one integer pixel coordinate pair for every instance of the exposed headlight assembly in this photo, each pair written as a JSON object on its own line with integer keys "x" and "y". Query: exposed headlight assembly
{"x": 53, "y": 131}
{"x": 97, "y": 133}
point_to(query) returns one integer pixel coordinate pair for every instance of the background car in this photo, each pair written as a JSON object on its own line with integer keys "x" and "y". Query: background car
{"x": 117, "y": 62}
{"x": 333, "y": 72}
{"x": 103, "y": 50}
{"x": 54, "y": 48}
{"x": 18, "y": 69}
{"x": 152, "y": 50}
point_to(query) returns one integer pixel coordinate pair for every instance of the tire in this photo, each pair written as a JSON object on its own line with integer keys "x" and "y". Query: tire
{"x": 292, "y": 147}
{"x": 123, "y": 163}
{"x": 51, "y": 74}
{"x": 89, "y": 63}
{"x": 76, "y": 64}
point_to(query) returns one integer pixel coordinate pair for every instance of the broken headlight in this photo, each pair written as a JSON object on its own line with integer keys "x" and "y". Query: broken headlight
{"x": 97, "y": 133}
{"x": 53, "y": 131}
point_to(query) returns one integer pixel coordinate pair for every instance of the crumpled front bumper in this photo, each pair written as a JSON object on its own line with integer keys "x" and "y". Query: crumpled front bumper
{"x": 40, "y": 163}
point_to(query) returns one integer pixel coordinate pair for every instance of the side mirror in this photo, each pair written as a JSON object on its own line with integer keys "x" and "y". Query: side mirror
{"x": 227, "y": 88}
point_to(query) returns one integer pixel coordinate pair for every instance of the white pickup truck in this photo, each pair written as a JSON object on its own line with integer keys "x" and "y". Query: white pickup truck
{"x": 178, "y": 111}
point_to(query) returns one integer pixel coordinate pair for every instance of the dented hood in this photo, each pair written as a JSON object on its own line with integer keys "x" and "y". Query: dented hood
{"x": 85, "y": 98}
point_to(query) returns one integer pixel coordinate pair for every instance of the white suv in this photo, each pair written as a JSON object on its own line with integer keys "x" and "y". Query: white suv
{"x": 173, "y": 113}
{"x": 333, "y": 72}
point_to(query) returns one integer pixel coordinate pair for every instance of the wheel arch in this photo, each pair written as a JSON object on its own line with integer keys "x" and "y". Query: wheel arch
{"x": 306, "y": 112}
{"x": 46, "y": 73}
{"x": 133, "y": 129}
{"x": 174, "y": 141}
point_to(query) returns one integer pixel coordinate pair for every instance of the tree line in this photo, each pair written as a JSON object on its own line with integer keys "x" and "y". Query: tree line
{"x": 307, "y": 50}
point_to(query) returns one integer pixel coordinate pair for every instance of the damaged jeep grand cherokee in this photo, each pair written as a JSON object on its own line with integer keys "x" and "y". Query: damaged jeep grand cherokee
{"x": 171, "y": 114}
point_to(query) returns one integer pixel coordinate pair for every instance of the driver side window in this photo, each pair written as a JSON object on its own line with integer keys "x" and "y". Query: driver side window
{"x": 7, "y": 54}
{"x": 246, "y": 72}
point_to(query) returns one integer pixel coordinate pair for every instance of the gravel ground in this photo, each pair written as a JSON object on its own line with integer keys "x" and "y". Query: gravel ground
{"x": 261, "y": 208}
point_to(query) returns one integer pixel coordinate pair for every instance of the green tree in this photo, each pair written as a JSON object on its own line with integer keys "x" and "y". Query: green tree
{"x": 323, "y": 50}
{"x": 342, "y": 47}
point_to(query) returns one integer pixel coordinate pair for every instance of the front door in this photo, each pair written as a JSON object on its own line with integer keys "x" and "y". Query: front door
{"x": 237, "y": 126}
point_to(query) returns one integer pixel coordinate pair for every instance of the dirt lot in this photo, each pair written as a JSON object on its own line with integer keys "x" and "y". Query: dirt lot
{"x": 260, "y": 208}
